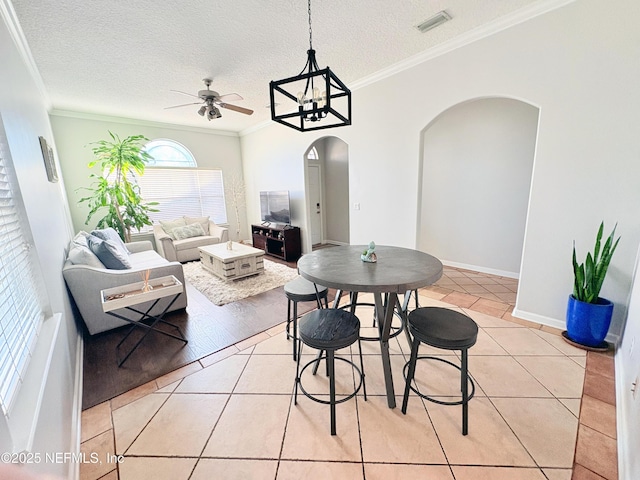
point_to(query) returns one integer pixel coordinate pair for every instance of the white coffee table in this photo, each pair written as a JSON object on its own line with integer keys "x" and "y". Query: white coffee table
{"x": 241, "y": 261}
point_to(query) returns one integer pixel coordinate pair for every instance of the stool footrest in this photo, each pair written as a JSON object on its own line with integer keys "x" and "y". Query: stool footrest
{"x": 327, "y": 402}
{"x": 431, "y": 399}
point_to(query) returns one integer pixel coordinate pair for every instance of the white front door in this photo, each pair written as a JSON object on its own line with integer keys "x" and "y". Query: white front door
{"x": 315, "y": 207}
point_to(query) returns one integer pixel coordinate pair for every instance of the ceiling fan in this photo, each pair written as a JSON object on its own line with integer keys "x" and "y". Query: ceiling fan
{"x": 211, "y": 100}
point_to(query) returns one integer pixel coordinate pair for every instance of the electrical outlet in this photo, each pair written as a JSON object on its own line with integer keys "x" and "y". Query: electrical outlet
{"x": 356, "y": 206}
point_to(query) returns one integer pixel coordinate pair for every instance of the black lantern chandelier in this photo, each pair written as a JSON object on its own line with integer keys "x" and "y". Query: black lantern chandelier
{"x": 312, "y": 100}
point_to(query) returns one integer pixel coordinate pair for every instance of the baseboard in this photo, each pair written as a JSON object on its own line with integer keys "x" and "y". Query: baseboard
{"x": 76, "y": 418}
{"x": 475, "y": 268}
{"x": 335, "y": 242}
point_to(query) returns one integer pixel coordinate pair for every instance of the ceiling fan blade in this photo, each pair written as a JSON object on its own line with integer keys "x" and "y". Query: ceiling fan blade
{"x": 235, "y": 108}
{"x": 185, "y": 93}
{"x": 230, "y": 97}
{"x": 183, "y": 105}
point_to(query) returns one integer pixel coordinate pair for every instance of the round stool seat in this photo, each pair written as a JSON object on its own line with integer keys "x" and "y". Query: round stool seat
{"x": 302, "y": 290}
{"x": 443, "y": 328}
{"x": 329, "y": 329}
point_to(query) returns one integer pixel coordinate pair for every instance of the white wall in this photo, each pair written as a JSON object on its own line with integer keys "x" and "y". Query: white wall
{"x": 75, "y": 134}
{"x": 476, "y": 175}
{"x": 24, "y": 115}
{"x": 336, "y": 179}
{"x": 577, "y": 64}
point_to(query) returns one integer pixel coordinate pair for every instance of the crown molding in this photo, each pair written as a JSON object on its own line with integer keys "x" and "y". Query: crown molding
{"x": 502, "y": 23}
{"x": 8, "y": 13}
{"x": 139, "y": 122}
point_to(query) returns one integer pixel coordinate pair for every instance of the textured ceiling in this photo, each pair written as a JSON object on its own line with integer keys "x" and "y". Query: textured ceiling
{"x": 122, "y": 57}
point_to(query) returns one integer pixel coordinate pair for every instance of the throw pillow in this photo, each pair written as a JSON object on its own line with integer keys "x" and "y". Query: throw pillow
{"x": 188, "y": 231}
{"x": 169, "y": 226}
{"x": 111, "y": 234}
{"x": 204, "y": 221}
{"x": 81, "y": 239}
{"x": 109, "y": 253}
{"x": 80, "y": 255}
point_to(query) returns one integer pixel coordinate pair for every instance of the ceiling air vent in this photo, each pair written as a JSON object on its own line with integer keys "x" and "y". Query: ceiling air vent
{"x": 432, "y": 22}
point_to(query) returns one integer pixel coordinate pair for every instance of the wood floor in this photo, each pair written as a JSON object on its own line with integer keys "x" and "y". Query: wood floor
{"x": 208, "y": 327}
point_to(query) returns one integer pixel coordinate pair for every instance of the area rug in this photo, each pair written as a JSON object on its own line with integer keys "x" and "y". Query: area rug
{"x": 220, "y": 292}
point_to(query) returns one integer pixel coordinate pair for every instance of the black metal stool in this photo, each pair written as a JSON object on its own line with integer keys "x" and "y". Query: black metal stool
{"x": 302, "y": 290}
{"x": 449, "y": 330}
{"x": 329, "y": 330}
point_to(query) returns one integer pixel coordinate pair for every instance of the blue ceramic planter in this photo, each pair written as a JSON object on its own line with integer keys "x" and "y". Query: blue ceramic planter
{"x": 588, "y": 323}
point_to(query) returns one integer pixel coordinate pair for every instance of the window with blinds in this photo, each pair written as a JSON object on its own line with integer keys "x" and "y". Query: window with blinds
{"x": 184, "y": 192}
{"x": 21, "y": 314}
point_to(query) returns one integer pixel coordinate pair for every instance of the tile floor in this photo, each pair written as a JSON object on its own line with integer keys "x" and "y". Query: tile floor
{"x": 231, "y": 415}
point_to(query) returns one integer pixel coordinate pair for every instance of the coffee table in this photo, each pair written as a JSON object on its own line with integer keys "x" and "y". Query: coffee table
{"x": 238, "y": 262}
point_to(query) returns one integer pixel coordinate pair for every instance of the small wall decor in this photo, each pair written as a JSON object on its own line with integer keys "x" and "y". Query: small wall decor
{"x": 369, "y": 255}
{"x": 49, "y": 160}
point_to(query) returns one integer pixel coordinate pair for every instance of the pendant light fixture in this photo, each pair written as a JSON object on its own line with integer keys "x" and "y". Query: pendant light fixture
{"x": 312, "y": 100}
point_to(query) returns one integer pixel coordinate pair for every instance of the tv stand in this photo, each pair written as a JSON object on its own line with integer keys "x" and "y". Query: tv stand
{"x": 278, "y": 241}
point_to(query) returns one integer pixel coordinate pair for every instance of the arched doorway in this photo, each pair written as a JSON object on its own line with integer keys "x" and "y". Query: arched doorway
{"x": 477, "y": 164}
{"x": 327, "y": 192}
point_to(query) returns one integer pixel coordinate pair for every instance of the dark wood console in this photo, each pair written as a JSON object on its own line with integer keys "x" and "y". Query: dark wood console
{"x": 278, "y": 241}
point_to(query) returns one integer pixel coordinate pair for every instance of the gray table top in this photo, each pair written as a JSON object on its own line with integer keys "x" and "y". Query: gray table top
{"x": 397, "y": 269}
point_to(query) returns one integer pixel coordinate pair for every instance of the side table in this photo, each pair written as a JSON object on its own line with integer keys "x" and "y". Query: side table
{"x": 130, "y": 295}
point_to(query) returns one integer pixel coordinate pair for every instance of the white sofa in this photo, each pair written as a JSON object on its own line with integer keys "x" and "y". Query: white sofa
{"x": 85, "y": 281}
{"x": 186, "y": 249}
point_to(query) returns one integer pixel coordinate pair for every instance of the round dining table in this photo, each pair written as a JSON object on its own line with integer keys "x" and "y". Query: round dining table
{"x": 397, "y": 270}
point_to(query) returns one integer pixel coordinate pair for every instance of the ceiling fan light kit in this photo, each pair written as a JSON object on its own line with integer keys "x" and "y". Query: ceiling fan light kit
{"x": 211, "y": 100}
{"x": 312, "y": 100}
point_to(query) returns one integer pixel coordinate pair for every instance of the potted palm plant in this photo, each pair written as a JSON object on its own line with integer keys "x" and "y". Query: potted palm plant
{"x": 589, "y": 315}
{"x": 114, "y": 191}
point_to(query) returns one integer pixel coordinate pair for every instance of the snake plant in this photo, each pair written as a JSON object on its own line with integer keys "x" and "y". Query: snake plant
{"x": 588, "y": 276}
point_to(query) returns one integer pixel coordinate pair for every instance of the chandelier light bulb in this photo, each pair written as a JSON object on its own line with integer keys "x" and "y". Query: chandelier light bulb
{"x": 302, "y": 99}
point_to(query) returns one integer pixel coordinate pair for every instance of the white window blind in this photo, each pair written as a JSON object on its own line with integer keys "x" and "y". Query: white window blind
{"x": 184, "y": 192}
{"x": 21, "y": 314}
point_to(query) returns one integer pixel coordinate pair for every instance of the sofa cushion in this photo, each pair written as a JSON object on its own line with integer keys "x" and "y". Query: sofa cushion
{"x": 194, "y": 242}
{"x": 82, "y": 255}
{"x": 109, "y": 253}
{"x": 148, "y": 259}
{"x": 169, "y": 226}
{"x": 111, "y": 234}
{"x": 204, "y": 221}
{"x": 80, "y": 239}
{"x": 188, "y": 231}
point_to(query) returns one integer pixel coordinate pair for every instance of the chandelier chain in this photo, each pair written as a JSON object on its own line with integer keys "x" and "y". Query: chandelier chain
{"x": 310, "y": 33}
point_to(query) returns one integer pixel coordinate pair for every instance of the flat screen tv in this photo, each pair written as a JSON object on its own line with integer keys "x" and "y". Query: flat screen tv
{"x": 274, "y": 207}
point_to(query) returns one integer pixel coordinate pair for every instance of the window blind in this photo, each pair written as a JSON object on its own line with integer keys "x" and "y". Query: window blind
{"x": 184, "y": 192}
{"x": 20, "y": 312}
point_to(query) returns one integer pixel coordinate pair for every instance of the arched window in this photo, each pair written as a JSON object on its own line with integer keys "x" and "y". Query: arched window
{"x": 167, "y": 153}
{"x": 179, "y": 188}
{"x": 313, "y": 154}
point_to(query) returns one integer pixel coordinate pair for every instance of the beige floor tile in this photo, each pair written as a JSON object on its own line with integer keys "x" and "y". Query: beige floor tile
{"x": 502, "y": 376}
{"x": 599, "y": 416}
{"x": 96, "y": 420}
{"x": 558, "y": 342}
{"x": 374, "y": 374}
{"x": 133, "y": 394}
{"x": 319, "y": 470}
{"x": 308, "y": 435}
{"x": 521, "y": 341}
{"x": 582, "y": 361}
{"x": 490, "y": 440}
{"x": 219, "y": 355}
{"x": 251, "y": 426}
{"x": 136, "y": 468}
{"x": 373, "y": 347}
{"x": 128, "y": 421}
{"x": 169, "y": 388}
{"x": 438, "y": 379}
{"x": 486, "y": 345}
{"x": 276, "y": 345}
{"x": 573, "y": 404}
{"x": 557, "y": 473}
{"x": 277, "y": 330}
{"x": 251, "y": 341}
{"x": 181, "y": 426}
{"x": 560, "y": 375}
{"x": 544, "y": 426}
{"x": 389, "y": 436}
{"x": 99, "y": 448}
{"x": 319, "y": 384}
{"x": 178, "y": 374}
{"x": 497, "y": 473}
{"x": 267, "y": 374}
{"x": 221, "y": 377}
{"x": 112, "y": 475}
{"x": 227, "y": 469}
{"x": 380, "y": 471}
{"x": 428, "y": 301}
{"x": 484, "y": 320}
{"x": 597, "y": 452}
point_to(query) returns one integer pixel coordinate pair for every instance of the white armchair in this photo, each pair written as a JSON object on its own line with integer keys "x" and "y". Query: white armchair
{"x": 186, "y": 249}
